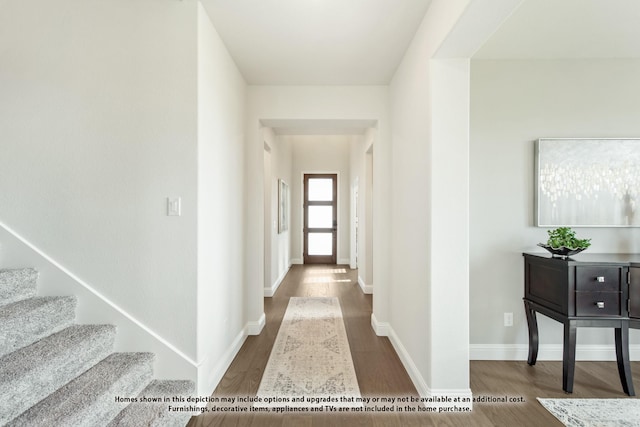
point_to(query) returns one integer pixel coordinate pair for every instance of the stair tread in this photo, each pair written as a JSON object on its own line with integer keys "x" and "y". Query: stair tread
{"x": 53, "y": 346}
{"x": 31, "y": 373}
{"x": 157, "y": 414}
{"x": 17, "y": 284}
{"x": 169, "y": 388}
{"x": 26, "y": 321}
{"x": 90, "y": 399}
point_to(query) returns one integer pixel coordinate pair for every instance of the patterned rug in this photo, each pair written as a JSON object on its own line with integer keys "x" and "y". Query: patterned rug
{"x": 310, "y": 364}
{"x": 594, "y": 412}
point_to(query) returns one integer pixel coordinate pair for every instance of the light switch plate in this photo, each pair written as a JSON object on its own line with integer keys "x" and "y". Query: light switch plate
{"x": 174, "y": 206}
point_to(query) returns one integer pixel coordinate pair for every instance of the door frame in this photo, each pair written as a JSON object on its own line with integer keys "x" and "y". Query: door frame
{"x": 320, "y": 259}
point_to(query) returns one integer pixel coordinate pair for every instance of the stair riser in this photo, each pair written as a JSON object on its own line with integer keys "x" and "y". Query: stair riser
{"x": 25, "y": 322}
{"x": 32, "y": 373}
{"x": 16, "y": 285}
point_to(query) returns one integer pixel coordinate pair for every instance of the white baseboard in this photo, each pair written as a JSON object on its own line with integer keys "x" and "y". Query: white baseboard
{"x": 383, "y": 329}
{"x": 269, "y": 292}
{"x": 367, "y": 289}
{"x": 380, "y": 328}
{"x": 461, "y": 398}
{"x": 551, "y": 352}
{"x": 254, "y": 328}
{"x": 209, "y": 376}
{"x": 296, "y": 261}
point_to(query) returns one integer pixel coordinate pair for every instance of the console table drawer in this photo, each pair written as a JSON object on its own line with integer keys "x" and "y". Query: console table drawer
{"x": 598, "y": 279}
{"x": 634, "y": 292}
{"x": 597, "y": 304}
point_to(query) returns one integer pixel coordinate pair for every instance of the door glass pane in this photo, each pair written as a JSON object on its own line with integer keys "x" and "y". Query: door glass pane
{"x": 320, "y": 189}
{"x": 320, "y": 244}
{"x": 320, "y": 216}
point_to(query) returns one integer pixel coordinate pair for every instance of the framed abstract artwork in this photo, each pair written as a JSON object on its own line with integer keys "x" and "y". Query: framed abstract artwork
{"x": 283, "y": 206}
{"x": 587, "y": 182}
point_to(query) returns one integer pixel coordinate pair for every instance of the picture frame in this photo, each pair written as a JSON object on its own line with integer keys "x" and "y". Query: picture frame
{"x": 587, "y": 182}
{"x": 283, "y": 206}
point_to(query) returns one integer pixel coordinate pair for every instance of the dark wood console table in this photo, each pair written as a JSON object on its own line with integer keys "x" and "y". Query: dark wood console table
{"x": 586, "y": 290}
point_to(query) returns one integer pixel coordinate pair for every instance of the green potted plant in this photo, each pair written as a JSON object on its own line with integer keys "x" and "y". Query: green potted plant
{"x": 563, "y": 241}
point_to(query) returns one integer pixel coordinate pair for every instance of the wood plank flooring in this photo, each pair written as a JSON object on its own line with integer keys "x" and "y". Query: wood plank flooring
{"x": 380, "y": 372}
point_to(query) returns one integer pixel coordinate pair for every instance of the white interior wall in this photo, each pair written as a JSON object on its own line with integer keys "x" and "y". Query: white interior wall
{"x": 320, "y": 154}
{"x": 279, "y": 258}
{"x": 421, "y": 154}
{"x": 430, "y": 140}
{"x": 361, "y": 170}
{"x": 450, "y": 224}
{"x": 367, "y": 243}
{"x": 222, "y": 325}
{"x": 282, "y": 248}
{"x": 514, "y": 103}
{"x": 356, "y": 174}
{"x": 268, "y": 227}
{"x": 103, "y": 147}
{"x": 98, "y": 128}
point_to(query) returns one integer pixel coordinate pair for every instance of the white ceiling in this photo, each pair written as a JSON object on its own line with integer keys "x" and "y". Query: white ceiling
{"x": 361, "y": 42}
{"x": 316, "y": 42}
{"x": 571, "y": 29}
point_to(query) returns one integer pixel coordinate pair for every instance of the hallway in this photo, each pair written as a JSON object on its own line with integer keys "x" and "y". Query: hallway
{"x": 377, "y": 366}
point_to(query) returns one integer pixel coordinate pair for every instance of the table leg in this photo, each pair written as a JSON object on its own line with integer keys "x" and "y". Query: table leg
{"x": 568, "y": 356}
{"x": 622, "y": 356}
{"x": 533, "y": 333}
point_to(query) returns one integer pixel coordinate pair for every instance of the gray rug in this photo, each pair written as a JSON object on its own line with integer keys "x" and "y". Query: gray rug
{"x": 310, "y": 361}
{"x": 594, "y": 412}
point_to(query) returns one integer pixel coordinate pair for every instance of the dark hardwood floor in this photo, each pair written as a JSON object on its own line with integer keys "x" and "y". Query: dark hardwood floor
{"x": 380, "y": 372}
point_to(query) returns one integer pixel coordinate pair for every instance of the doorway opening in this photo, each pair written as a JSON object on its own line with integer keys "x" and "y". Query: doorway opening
{"x": 320, "y": 218}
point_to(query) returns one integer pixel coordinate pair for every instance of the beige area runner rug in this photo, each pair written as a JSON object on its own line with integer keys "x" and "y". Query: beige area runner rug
{"x": 310, "y": 364}
{"x": 594, "y": 412}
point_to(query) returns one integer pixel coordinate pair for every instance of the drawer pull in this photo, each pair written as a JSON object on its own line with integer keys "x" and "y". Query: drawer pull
{"x": 600, "y": 304}
{"x": 600, "y": 279}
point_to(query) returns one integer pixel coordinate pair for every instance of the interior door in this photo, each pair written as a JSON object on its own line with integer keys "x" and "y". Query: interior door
{"x": 320, "y": 218}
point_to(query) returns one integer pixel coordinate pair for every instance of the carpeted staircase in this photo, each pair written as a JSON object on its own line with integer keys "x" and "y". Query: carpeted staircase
{"x": 56, "y": 373}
